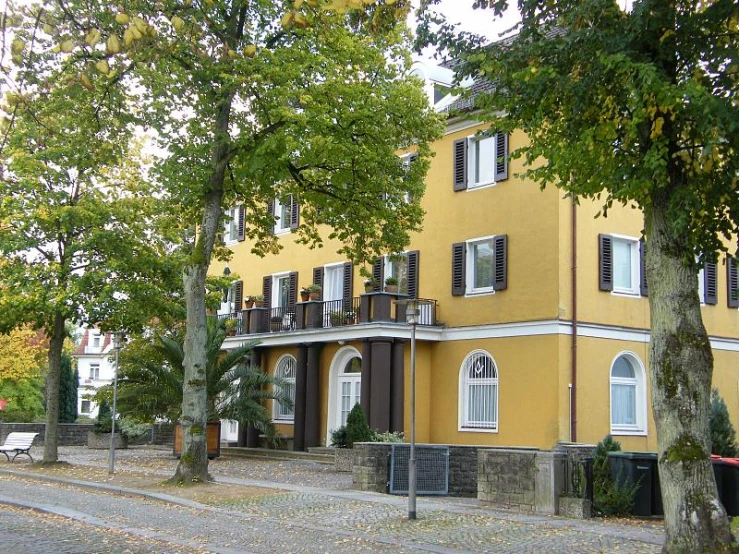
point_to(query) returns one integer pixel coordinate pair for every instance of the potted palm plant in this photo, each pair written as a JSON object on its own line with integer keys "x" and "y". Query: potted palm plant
{"x": 152, "y": 377}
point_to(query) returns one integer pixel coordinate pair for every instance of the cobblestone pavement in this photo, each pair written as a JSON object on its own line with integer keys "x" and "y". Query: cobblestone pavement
{"x": 29, "y": 531}
{"x": 310, "y": 519}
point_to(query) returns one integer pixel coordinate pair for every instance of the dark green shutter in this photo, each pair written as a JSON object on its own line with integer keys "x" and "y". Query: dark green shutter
{"x": 458, "y": 268}
{"x": 500, "y": 281}
{"x": 460, "y": 164}
{"x": 501, "y": 156}
{"x": 605, "y": 262}
{"x": 413, "y": 273}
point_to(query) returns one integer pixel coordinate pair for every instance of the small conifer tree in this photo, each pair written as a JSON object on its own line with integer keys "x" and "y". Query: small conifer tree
{"x": 723, "y": 435}
{"x": 357, "y": 429}
{"x": 104, "y": 424}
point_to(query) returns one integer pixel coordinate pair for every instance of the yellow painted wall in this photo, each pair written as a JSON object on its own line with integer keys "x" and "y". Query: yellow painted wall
{"x": 528, "y": 398}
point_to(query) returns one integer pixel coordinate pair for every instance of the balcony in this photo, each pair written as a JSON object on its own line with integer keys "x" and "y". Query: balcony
{"x": 376, "y": 307}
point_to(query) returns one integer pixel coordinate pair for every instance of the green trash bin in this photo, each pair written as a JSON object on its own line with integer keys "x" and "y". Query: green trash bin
{"x": 638, "y": 469}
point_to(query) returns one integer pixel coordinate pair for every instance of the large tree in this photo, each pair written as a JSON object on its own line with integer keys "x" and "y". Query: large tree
{"x": 254, "y": 101}
{"x": 636, "y": 107}
{"x": 75, "y": 240}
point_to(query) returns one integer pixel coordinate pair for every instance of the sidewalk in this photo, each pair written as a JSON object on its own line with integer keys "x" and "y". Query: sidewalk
{"x": 308, "y": 507}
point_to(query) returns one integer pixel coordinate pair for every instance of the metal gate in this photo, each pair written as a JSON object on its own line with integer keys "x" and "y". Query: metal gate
{"x": 432, "y": 469}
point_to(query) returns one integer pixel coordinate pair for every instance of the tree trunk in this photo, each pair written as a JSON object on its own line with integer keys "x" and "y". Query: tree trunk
{"x": 56, "y": 344}
{"x": 681, "y": 364}
{"x": 193, "y": 465}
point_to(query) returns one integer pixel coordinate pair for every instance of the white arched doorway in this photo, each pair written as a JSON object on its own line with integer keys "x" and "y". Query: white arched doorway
{"x": 344, "y": 387}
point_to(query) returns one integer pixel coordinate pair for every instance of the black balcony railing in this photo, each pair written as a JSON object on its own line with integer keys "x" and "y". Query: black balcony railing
{"x": 368, "y": 308}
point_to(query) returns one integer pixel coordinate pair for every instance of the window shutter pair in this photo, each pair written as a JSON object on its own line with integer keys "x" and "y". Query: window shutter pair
{"x": 460, "y": 157}
{"x": 732, "y": 282}
{"x": 605, "y": 264}
{"x": 292, "y": 297}
{"x": 378, "y": 273}
{"x": 459, "y": 254}
{"x": 242, "y": 224}
{"x": 294, "y": 213}
{"x": 413, "y": 259}
{"x": 348, "y": 285}
{"x": 710, "y": 283}
{"x": 238, "y": 295}
{"x": 267, "y": 291}
{"x": 318, "y": 276}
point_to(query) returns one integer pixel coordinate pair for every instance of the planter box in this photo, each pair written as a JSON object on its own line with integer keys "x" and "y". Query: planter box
{"x": 212, "y": 437}
{"x": 576, "y": 508}
{"x": 101, "y": 441}
{"x": 344, "y": 459}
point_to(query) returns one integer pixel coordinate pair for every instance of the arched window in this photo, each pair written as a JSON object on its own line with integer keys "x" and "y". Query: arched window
{"x": 478, "y": 383}
{"x": 628, "y": 395}
{"x": 285, "y": 370}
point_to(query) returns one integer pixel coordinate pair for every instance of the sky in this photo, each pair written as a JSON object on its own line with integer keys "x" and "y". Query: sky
{"x": 480, "y": 22}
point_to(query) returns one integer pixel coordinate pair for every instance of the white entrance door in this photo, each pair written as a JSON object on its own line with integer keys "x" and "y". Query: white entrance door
{"x": 349, "y": 390}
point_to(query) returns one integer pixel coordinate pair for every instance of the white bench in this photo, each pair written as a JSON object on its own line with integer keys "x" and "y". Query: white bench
{"x": 20, "y": 443}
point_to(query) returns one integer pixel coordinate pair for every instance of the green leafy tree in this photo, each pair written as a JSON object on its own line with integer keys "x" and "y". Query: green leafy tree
{"x": 723, "y": 434}
{"x": 104, "y": 420}
{"x": 635, "y": 107}
{"x": 150, "y": 386}
{"x": 257, "y": 101}
{"x": 25, "y": 399}
{"x": 77, "y": 240}
{"x": 68, "y": 384}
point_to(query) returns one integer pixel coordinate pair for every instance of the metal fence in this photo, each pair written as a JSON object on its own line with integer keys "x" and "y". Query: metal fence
{"x": 432, "y": 469}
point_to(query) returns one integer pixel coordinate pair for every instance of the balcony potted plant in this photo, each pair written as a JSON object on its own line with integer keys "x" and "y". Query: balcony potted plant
{"x": 314, "y": 291}
{"x": 336, "y": 318}
{"x": 369, "y": 285}
{"x": 258, "y": 301}
{"x": 350, "y": 317}
{"x": 249, "y": 301}
{"x": 391, "y": 284}
{"x": 304, "y": 294}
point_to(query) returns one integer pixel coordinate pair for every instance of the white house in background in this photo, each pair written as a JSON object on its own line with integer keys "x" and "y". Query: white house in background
{"x": 95, "y": 365}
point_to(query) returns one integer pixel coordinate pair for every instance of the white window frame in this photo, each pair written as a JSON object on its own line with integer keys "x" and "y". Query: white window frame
{"x": 82, "y": 406}
{"x": 464, "y": 382}
{"x": 275, "y": 296}
{"x": 278, "y": 414}
{"x": 469, "y": 286}
{"x": 473, "y": 142}
{"x": 635, "y": 288}
{"x": 387, "y": 262}
{"x": 95, "y": 371}
{"x": 231, "y": 225}
{"x": 640, "y": 396}
{"x": 96, "y": 340}
{"x": 282, "y": 224}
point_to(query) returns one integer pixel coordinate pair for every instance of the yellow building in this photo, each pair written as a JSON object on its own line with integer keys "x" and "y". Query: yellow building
{"x": 536, "y": 327}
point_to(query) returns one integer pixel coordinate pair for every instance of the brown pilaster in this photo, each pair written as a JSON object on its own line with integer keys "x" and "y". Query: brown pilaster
{"x": 365, "y": 392}
{"x": 300, "y": 388}
{"x": 313, "y": 396}
{"x": 380, "y": 385}
{"x": 397, "y": 390}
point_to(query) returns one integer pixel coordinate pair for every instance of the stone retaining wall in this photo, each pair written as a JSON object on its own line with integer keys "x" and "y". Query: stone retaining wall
{"x": 70, "y": 434}
{"x": 526, "y": 480}
{"x": 371, "y": 471}
{"x": 75, "y": 434}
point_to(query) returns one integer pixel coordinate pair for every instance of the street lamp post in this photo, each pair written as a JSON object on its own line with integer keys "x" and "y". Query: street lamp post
{"x": 411, "y": 317}
{"x": 117, "y": 345}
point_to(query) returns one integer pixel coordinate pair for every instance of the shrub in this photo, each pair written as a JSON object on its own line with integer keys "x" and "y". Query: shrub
{"x": 339, "y": 437}
{"x": 389, "y": 436}
{"x": 357, "y": 429}
{"x": 131, "y": 428}
{"x": 723, "y": 435}
{"x": 609, "y": 497}
{"x": 104, "y": 423}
